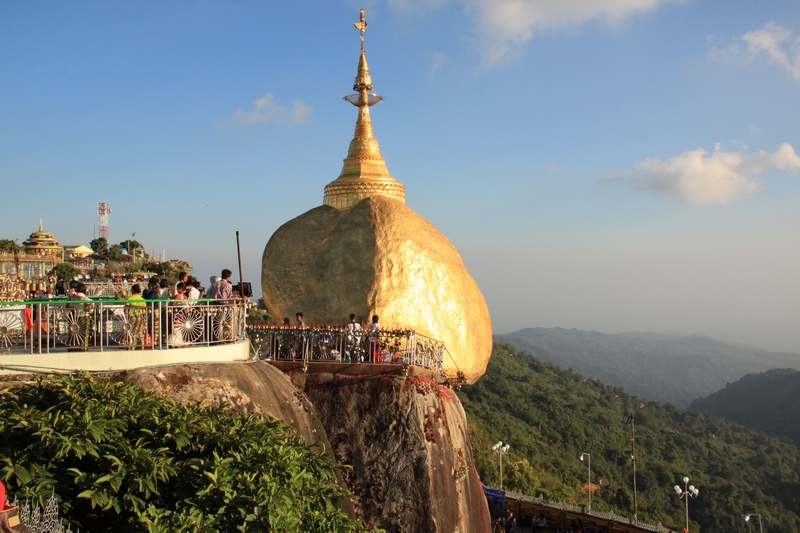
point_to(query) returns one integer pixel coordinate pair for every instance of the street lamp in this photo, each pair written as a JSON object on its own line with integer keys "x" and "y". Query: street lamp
{"x": 589, "y": 486}
{"x": 501, "y": 449}
{"x": 629, "y": 420}
{"x": 748, "y": 516}
{"x": 685, "y": 493}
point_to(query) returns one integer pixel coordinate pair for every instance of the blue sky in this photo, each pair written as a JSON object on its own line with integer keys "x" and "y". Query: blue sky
{"x": 617, "y": 165}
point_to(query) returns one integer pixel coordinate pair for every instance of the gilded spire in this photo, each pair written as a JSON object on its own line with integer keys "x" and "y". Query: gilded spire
{"x": 364, "y": 172}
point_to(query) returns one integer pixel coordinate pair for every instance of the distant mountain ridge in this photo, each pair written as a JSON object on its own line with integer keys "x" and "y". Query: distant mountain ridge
{"x": 768, "y": 402}
{"x": 665, "y": 368}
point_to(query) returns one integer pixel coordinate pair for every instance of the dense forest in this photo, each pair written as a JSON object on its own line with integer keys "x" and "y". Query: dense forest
{"x": 664, "y": 368}
{"x": 549, "y": 416}
{"x": 768, "y": 402}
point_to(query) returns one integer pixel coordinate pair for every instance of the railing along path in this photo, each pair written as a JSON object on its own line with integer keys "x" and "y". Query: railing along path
{"x": 342, "y": 345}
{"x": 97, "y": 325}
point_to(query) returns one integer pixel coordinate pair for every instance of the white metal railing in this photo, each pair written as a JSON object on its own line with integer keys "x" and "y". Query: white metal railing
{"x": 338, "y": 344}
{"x": 81, "y": 325}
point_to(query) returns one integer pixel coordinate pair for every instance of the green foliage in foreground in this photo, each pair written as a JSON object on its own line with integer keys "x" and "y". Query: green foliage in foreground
{"x": 121, "y": 459}
{"x": 549, "y": 416}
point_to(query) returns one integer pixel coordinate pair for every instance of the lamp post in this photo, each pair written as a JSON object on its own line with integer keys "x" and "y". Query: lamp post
{"x": 629, "y": 420}
{"x": 748, "y": 516}
{"x": 686, "y": 492}
{"x": 501, "y": 449}
{"x": 589, "y": 486}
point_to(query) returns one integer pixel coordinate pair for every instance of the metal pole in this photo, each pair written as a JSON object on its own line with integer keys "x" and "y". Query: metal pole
{"x": 633, "y": 458}
{"x": 589, "y": 486}
{"x": 239, "y": 253}
{"x": 501, "y": 471}
{"x": 686, "y": 497}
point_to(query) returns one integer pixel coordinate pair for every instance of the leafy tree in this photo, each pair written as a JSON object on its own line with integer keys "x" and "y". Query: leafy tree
{"x": 115, "y": 252}
{"x": 67, "y": 271}
{"x": 121, "y": 459}
{"x": 9, "y": 247}
{"x": 99, "y": 245}
{"x": 130, "y": 245}
{"x": 164, "y": 270}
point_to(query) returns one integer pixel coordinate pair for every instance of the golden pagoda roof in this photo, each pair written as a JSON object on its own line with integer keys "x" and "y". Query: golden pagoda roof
{"x": 41, "y": 240}
{"x": 364, "y": 172}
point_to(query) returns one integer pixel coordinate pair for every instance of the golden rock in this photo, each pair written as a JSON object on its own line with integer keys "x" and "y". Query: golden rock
{"x": 382, "y": 258}
{"x": 365, "y": 252}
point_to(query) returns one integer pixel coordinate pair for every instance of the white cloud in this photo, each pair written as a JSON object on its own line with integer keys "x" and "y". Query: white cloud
{"x": 503, "y": 25}
{"x": 777, "y": 42}
{"x": 773, "y": 41}
{"x": 437, "y": 60}
{"x": 701, "y": 178}
{"x": 509, "y": 23}
{"x": 266, "y": 110}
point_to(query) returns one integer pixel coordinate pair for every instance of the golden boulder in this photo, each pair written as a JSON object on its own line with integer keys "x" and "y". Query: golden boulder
{"x": 380, "y": 257}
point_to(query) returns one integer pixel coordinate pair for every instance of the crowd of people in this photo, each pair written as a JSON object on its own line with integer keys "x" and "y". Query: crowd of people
{"x": 151, "y": 309}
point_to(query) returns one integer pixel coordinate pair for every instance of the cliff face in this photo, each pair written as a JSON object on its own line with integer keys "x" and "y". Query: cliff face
{"x": 404, "y": 437}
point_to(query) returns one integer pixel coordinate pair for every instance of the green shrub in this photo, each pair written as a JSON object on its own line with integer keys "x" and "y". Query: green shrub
{"x": 121, "y": 459}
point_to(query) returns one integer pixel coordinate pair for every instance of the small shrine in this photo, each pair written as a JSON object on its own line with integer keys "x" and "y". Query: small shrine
{"x": 42, "y": 243}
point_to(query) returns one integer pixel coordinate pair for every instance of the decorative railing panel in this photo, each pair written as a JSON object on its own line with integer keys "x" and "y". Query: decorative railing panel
{"x": 338, "y": 344}
{"x": 40, "y": 327}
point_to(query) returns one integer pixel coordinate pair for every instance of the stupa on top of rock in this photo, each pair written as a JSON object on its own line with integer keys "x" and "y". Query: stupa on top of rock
{"x": 364, "y": 251}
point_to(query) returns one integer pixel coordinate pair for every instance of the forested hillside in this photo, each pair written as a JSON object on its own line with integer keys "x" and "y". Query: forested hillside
{"x": 768, "y": 402}
{"x": 665, "y": 368}
{"x": 549, "y": 416}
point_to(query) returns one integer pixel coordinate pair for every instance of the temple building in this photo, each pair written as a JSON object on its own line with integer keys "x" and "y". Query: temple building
{"x": 364, "y": 251}
{"x": 40, "y": 253}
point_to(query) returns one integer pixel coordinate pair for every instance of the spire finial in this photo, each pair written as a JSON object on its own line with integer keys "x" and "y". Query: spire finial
{"x": 364, "y": 173}
{"x": 40, "y": 224}
{"x": 362, "y": 26}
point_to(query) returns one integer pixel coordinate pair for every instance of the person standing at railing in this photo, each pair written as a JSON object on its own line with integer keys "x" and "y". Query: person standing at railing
{"x": 153, "y": 292}
{"x": 353, "y": 338}
{"x": 82, "y": 317}
{"x": 193, "y": 291}
{"x": 222, "y": 289}
{"x": 177, "y": 314}
{"x": 353, "y": 325}
{"x": 221, "y": 292}
{"x": 166, "y": 294}
{"x": 135, "y": 308}
{"x": 374, "y": 339}
{"x": 183, "y": 277}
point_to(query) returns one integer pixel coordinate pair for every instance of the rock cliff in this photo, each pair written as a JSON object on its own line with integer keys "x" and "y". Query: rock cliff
{"x": 403, "y": 436}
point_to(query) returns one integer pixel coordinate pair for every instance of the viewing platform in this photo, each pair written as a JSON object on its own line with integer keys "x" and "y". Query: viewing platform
{"x": 100, "y": 335}
{"x": 108, "y": 335}
{"x": 339, "y": 350}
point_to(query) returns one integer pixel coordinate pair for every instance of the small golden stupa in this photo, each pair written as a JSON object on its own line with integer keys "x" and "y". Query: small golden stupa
{"x": 42, "y": 243}
{"x": 365, "y": 252}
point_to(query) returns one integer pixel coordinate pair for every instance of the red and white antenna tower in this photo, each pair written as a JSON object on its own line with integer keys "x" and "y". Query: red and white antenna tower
{"x": 102, "y": 216}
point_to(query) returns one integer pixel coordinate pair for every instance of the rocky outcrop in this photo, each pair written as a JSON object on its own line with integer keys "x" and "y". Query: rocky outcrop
{"x": 402, "y": 437}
